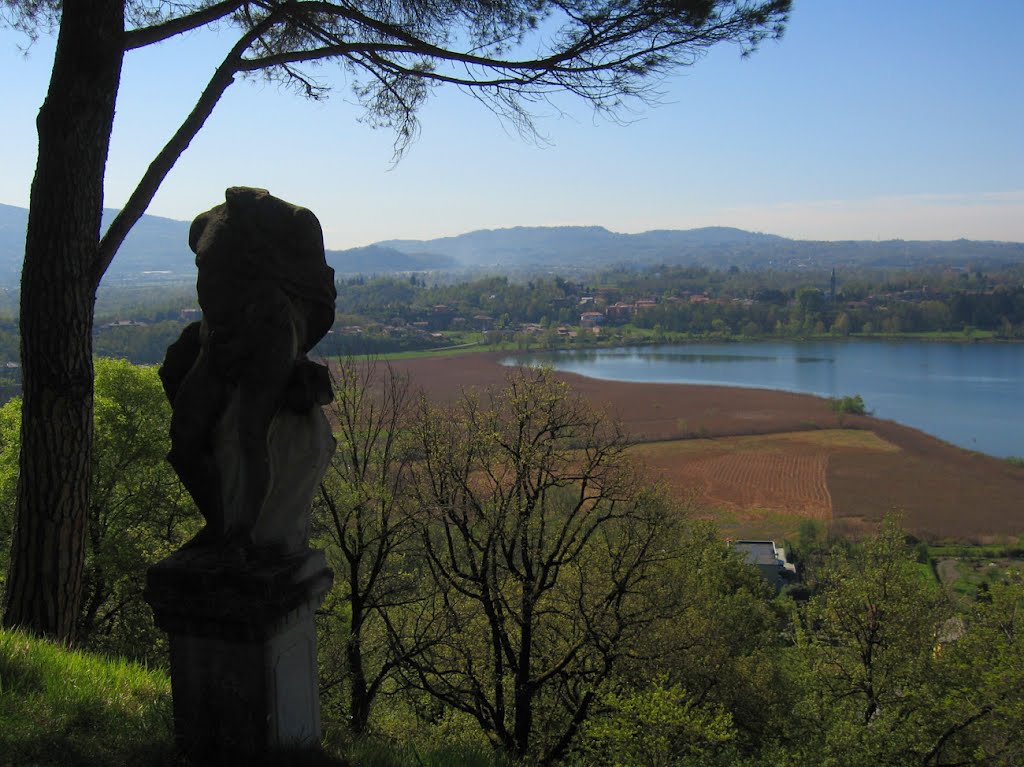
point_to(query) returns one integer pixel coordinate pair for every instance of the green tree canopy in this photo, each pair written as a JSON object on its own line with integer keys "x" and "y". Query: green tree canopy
{"x": 138, "y": 513}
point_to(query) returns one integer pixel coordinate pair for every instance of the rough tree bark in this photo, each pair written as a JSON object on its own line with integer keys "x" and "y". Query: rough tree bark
{"x": 58, "y": 291}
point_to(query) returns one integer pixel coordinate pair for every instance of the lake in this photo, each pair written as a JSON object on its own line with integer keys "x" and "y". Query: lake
{"x": 967, "y": 394}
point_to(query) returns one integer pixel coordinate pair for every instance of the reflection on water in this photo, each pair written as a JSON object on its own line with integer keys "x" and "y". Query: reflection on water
{"x": 968, "y": 394}
{"x": 709, "y": 358}
{"x": 658, "y": 354}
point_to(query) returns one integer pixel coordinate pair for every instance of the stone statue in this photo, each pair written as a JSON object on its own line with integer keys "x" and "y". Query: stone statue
{"x": 248, "y": 438}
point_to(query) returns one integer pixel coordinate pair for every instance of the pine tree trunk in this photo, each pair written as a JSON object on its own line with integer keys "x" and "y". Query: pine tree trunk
{"x": 58, "y": 291}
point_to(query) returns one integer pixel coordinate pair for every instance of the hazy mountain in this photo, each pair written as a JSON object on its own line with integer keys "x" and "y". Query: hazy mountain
{"x": 12, "y": 243}
{"x": 157, "y": 250}
{"x": 580, "y": 245}
{"x": 715, "y": 247}
{"x": 376, "y": 259}
{"x": 155, "y": 245}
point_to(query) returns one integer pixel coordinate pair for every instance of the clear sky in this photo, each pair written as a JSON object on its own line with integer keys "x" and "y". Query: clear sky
{"x": 870, "y": 119}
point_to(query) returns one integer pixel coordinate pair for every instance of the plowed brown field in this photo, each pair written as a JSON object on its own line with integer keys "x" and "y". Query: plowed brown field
{"x": 785, "y": 481}
{"x": 760, "y": 485}
{"x": 852, "y": 476}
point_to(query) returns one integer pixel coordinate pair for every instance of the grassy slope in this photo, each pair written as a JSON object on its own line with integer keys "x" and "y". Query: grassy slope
{"x": 61, "y": 708}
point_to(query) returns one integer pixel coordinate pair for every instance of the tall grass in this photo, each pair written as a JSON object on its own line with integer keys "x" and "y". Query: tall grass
{"x": 63, "y": 708}
{"x": 382, "y": 752}
{"x": 60, "y": 707}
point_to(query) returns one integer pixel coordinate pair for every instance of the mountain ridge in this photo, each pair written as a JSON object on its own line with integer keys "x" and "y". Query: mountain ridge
{"x": 157, "y": 250}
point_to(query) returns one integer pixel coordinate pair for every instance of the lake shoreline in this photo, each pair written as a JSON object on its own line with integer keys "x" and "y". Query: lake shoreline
{"x": 943, "y": 490}
{"x": 962, "y": 393}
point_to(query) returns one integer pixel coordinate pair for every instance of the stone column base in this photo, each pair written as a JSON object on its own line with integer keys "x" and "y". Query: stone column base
{"x": 243, "y": 650}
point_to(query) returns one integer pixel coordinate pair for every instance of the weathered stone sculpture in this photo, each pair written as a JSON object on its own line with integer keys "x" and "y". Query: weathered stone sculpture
{"x": 267, "y": 296}
{"x": 250, "y": 443}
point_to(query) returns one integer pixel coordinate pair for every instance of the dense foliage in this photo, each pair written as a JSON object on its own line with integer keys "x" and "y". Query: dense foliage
{"x": 139, "y": 511}
{"x": 703, "y": 302}
{"x": 506, "y": 580}
{"x": 385, "y": 315}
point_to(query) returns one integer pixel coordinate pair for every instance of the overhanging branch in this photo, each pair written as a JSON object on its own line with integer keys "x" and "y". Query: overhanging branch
{"x": 138, "y": 38}
{"x": 601, "y": 53}
{"x": 172, "y": 150}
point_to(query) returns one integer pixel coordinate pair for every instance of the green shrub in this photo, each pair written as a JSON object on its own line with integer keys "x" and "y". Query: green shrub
{"x": 844, "y": 406}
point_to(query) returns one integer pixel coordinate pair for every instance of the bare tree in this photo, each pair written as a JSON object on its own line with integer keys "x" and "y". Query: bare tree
{"x": 539, "y": 544}
{"x": 361, "y": 515}
{"x": 508, "y": 53}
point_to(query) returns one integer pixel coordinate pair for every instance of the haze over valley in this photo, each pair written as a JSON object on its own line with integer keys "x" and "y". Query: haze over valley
{"x": 156, "y": 250}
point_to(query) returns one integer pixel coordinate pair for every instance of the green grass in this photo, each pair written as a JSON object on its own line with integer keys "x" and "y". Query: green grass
{"x": 59, "y": 707}
{"x": 968, "y": 551}
{"x": 382, "y": 752}
{"x": 978, "y": 567}
{"x": 927, "y": 574}
{"x": 969, "y": 581}
{"x": 442, "y": 351}
{"x": 754, "y": 523}
{"x": 62, "y": 708}
{"x": 933, "y": 335}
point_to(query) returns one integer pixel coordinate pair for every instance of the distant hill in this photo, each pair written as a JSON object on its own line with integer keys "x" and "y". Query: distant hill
{"x": 521, "y": 247}
{"x": 12, "y": 242}
{"x": 377, "y": 259}
{"x": 157, "y": 250}
{"x": 714, "y": 247}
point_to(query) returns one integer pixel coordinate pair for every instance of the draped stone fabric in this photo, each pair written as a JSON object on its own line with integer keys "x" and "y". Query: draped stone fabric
{"x": 267, "y": 296}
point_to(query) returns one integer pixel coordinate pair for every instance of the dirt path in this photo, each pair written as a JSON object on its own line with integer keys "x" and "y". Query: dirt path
{"x": 948, "y": 571}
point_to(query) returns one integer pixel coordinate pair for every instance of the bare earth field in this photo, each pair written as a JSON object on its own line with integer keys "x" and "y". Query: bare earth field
{"x": 767, "y": 459}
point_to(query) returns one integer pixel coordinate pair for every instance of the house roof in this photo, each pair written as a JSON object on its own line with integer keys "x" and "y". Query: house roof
{"x": 758, "y": 552}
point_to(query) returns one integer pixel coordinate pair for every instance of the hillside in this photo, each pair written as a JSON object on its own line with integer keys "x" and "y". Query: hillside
{"x": 522, "y": 247}
{"x": 714, "y": 247}
{"x": 60, "y": 707}
{"x": 156, "y": 250}
{"x": 376, "y": 259}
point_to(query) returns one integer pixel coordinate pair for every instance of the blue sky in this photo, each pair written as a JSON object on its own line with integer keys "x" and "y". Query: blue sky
{"x": 870, "y": 119}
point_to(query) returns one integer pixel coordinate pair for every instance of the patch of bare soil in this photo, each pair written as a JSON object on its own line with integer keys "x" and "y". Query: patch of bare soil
{"x": 943, "y": 491}
{"x": 947, "y": 571}
{"x": 745, "y": 474}
{"x": 651, "y": 412}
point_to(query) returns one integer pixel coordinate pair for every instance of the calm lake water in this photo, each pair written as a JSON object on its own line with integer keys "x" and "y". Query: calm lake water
{"x": 969, "y": 394}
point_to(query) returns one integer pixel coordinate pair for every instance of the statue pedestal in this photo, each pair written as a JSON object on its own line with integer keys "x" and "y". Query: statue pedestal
{"x": 243, "y": 650}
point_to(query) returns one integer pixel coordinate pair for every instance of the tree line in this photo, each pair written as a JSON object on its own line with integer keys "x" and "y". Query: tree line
{"x": 507, "y": 577}
{"x": 730, "y": 304}
{"x": 700, "y": 301}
